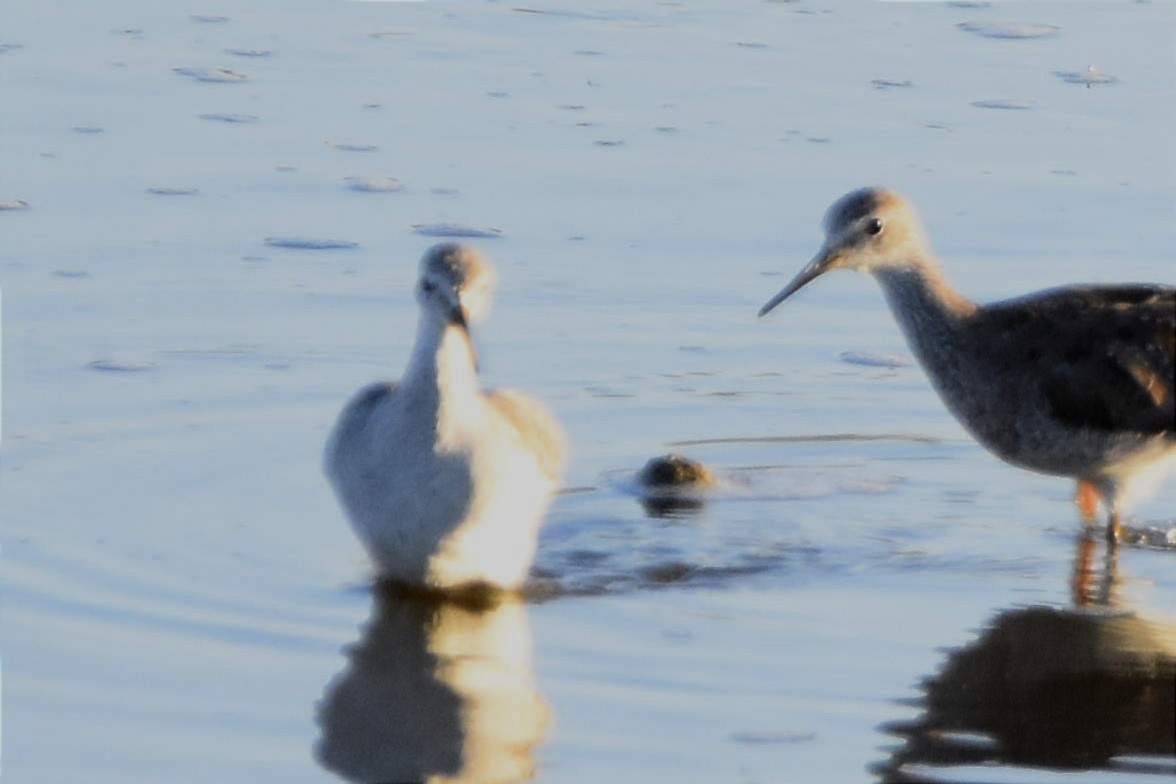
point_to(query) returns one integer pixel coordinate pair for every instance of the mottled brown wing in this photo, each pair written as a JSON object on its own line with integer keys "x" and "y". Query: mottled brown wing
{"x": 538, "y": 430}
{"x": 1106, "y": 355}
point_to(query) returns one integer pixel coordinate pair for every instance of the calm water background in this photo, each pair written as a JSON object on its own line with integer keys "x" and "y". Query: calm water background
{"x": 178, "y": 586}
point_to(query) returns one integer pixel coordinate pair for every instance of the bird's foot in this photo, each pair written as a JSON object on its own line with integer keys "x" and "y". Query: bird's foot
{"x": 1114, "y": 530}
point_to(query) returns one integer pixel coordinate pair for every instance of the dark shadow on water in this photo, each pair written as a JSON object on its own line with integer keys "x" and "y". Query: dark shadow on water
{"x": 665, "y": 573}
{"x": 702, "y": 527}
{"x": 435, "y": 690}
{"x": 671, "y": 507}
{"x": 1091, "y": 686}
{"x": 817, "y": 438}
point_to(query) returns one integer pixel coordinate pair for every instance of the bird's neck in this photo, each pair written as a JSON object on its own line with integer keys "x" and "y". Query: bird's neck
{"x": 938, "y": 323}
{"x": 443, "y": 372}
{"x": 929, "y": 311}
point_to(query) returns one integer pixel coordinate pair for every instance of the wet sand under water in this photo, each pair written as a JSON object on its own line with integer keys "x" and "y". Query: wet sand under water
{"x": 194, "y": 285}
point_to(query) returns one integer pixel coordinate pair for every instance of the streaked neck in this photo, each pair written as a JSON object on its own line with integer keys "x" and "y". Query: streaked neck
{"x": 922, "y": 299}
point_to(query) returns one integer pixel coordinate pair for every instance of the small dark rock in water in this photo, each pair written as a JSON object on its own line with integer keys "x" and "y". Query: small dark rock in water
{"x": 1004, "y": 104}
{"x": 873, "y": 359}
{"x": 671, "y": 572}
{"x": 454, "y": 230}
{"x": 475, "y": 596}
{"x": 229, "y": 118}
{"x": 211, "y": 74}
{"x": 671, "y": 505}
{"x": 1160, "y": 537}
{"x": 1008, "y": 29}
{"x": 121, "y": 365}
{"x": 670, "y": 486}
{"x": 765, "y": 738}
{"x": 374, "y": 184}
{"x": 354, "y": 147}
{"x": 249, "y": 52}
{"x": 674, "y": 471}
{"x": 1088, "y": 77}
{"x": 309, "y": 243}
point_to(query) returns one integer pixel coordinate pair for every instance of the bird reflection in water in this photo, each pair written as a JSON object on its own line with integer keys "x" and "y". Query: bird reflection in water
{"x": 436, "y": 691}
{"x": 672, "y": 507}
{"x": 1086, "y": 687}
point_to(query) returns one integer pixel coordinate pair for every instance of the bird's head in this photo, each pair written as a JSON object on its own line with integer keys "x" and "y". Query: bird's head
{"x": 866, "y": 230}
{"x": 456, "y": 283}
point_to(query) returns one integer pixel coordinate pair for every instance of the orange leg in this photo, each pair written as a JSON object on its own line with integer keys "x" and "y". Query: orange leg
{"x": 1087, "y": 497}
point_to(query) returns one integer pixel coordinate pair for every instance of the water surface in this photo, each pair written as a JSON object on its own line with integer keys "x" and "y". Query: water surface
{"x": 182, "y": 600}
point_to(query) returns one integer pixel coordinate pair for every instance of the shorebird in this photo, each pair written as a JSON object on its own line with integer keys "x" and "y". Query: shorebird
{"x": 444, "y": 483}
{"x": 1074, "y": 381}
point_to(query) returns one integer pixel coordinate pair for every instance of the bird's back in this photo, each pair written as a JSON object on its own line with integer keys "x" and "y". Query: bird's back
{"x": 535, "y": 428}
{"x": 354, "y": 418}
{"x": 1103, "y": 356}
{"x": 397, "y": 487}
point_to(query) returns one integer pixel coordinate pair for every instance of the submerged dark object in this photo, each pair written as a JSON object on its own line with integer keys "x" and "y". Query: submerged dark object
{"x": 674, "y": 471}
{"x": 671, "y": 485}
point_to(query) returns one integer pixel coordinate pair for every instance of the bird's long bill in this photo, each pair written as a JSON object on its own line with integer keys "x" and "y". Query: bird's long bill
{"x": 812, "y": 270}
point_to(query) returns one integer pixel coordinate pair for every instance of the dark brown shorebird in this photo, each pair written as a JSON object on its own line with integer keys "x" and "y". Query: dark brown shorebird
{"x": 1073, "y": 381}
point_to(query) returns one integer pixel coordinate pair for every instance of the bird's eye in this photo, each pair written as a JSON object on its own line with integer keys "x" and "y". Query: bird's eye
{"x": 874, "y": 226}
{"x": 428, "y": 286}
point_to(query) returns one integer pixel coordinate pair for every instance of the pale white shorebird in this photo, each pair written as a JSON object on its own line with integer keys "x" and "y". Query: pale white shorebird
{"x": 1074, "y": 381}
{"x": 446, "y": 484}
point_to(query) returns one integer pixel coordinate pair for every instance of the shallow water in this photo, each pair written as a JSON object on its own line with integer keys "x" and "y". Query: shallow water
{"x": 179, "y": 589}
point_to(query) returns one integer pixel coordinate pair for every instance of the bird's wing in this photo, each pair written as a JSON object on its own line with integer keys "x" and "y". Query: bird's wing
{"x": 354, "y": 416}
{"x": 537, "y": 429}
{"x": 1106, "y": 354}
